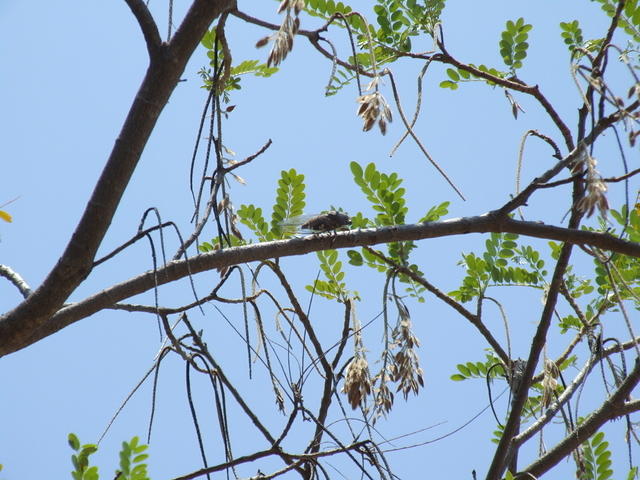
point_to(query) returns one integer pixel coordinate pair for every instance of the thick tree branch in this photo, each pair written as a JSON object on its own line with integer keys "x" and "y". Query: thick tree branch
{"x": 18, "y": 325}
{"x": 147, "y": 25}
{"x": 614, "y": 407}
{"x": 18, "y": 336}
{"x": 506, "y": 449}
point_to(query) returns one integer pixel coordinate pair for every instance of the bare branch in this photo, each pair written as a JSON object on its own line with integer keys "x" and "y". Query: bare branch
{"x": 550, "y": 412}
{"x": 249, "y": 158}
{"x": 147, "y": 25}
{"x": 538, "y": 182}
{"x": 511, "y": 84}
{"x": 15, "y": 278}
{"x": 415, "y": 137}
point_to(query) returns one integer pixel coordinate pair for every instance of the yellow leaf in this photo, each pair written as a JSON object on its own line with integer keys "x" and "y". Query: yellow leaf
{"x": 5, "y": 216}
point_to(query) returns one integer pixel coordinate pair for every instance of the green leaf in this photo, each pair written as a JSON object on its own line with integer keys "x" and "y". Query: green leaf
{"x": 453, "y": 75}
{"x": 356, "y": 169}
{"x": 472, "y": 368}
{"x": 140, "y": 458}
{"x": 73, "y": 441}
{"x": 91, "y": 473}
{"x": 89, "y": 449}
{"x": 601, "y": 447}
{"x": 597, "y": 438}
{"x": 449, "y": 84}
{"x": 355, "y": 258}
{"x": 513, "y": 43}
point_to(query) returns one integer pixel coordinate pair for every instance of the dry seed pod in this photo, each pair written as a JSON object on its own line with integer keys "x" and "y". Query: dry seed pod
{"x": 373, "y": 107}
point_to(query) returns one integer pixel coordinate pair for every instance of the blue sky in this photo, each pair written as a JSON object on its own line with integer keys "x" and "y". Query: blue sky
{"x": 69, "y": 73}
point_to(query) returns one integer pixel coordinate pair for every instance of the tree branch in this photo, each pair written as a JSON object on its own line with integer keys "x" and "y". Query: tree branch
{"x": 147, "y": 25}
{"x": 551, "y": 411}
{"x": 473, "y": 319}
{"x": 614, "y": 407}
{"x": 511, "y": 84}
{"x": 75, "y": 264}
{"x": 17, "y": 335}
{"x": 312, "y": 35}
{"x": 15, "y": 278}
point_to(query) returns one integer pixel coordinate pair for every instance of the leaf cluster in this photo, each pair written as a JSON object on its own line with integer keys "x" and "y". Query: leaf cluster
{"x": 596, "y": 459}
{"x": 387, "y": 198}
{"x": 629, "y": 21}
{"x": 132, "y": 457}
{"x": 80, "y": 459}
{"x": 513, "y": 43}
{"x": 214, "y": 244}
{"x": 500, "y": 264}
{"x": 384, "y": 193}
{"x": 457, "y": 75}
{"x": 624, "y": 270}
{"x": 399, "y": 20}
{"x": 491, "y": 367}
{"x": 327, "y": 8}
{"x": 333, "y": 288}
{"x": 571, "y": 34}
{"x": 513, "y": 50}
{"x": 232, "y": 80}
{"x": 289, "y": 203}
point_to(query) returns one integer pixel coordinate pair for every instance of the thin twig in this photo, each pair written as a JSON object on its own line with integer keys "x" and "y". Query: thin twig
{"x": 421, "y": 75}
{"x": 473, "y": 319}
{"x": 15, "y": 278}
{"x": 312, "y": 35}
{"x": 407, "y": 125}
{"x": 534, "y": 90}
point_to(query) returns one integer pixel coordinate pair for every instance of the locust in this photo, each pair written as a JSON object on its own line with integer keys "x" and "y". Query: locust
{"x": 323, "y": 222}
